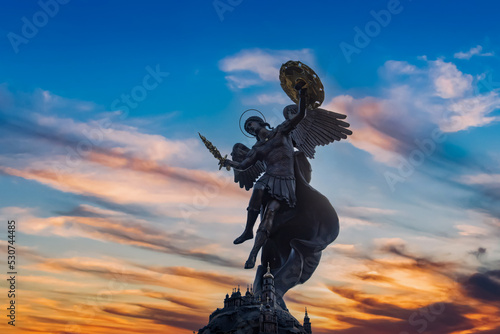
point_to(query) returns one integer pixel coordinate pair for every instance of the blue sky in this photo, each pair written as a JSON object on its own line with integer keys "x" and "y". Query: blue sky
{"x": 91, "y": 185}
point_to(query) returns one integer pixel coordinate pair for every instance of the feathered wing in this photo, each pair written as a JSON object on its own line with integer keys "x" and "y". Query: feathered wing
{"x": 247, "y": 177}
{"x": 319, "y": 127}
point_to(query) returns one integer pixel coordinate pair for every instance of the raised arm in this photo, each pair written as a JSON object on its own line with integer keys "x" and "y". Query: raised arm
{"x": 290, "y": 124}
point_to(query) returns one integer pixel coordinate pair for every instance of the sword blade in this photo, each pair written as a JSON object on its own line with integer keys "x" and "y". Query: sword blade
{"x": 215, "y": 152}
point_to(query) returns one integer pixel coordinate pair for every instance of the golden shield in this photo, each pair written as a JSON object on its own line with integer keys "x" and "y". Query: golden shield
{"x": 294, "y": 71}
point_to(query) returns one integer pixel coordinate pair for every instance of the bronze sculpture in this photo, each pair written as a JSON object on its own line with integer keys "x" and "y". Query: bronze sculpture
{"x": 297, "y": 222}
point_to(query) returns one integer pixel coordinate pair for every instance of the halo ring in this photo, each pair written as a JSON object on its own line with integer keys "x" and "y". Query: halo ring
{"x": 242, "y": 129}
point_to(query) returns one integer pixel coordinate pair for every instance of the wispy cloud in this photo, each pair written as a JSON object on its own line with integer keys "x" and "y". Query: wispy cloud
{"x": 256, "y": 66}
{"x": 97, "y": 224}
{"x": 278, "y": 98}
{"x": 475, "y": 51}
{"x": 156, "y": 314}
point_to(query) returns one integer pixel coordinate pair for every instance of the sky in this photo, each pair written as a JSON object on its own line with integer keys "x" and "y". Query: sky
{"x": 124, "y": 224}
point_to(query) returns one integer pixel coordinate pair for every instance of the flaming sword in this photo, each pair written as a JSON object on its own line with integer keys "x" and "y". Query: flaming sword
{"x": 215, "y": 152}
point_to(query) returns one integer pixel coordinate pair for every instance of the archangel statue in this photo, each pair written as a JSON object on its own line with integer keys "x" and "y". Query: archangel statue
{"x": 297, "y": 222}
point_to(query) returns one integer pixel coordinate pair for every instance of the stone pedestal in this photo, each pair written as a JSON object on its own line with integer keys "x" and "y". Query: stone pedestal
{"x": 250, "y": 314}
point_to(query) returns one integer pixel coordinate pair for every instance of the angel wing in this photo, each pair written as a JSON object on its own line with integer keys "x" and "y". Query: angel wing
{"x": 247, "y": 177}
{"x": 319, "y": 127}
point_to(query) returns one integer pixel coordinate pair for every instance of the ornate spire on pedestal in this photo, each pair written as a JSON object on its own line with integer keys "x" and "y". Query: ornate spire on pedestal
{"x": 307, "y": 324}
{"x": 268, "y": 291}
{"x": 268, "y": 319}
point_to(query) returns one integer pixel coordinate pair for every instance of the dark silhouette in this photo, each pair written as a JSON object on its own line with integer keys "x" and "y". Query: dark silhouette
{"x": 297, "y": 222}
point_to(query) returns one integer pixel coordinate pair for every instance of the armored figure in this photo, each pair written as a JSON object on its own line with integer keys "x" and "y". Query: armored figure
{"x": 297, "y": 222}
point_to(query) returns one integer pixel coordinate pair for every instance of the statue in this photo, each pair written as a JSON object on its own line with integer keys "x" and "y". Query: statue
{"x": 297, "y": 222}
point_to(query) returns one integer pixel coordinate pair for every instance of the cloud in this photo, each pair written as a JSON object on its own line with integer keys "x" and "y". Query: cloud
{"x": 471, "y": 230}
{"x": 475, "y": 51}
{"x": 479, "y": 253}
{"x": 400, "y": 67}
{"x": 131, "y": 274}
{"x": 278, "y": 98}
{"x": 189, "y": 303}
{"x": 97, "y": 224}
{"x": 364, "y": 216}
{"x": 119, "y": 166}
{"x": 484, "y": 286}
{"x": 137, "y": 182}
{"x": 368, "y": 211}
{"x": 417, "y": 262}
{"x": 180, "y": 196}
{"x": 470, "y": 112}
{"x": 78, "y": 139}
{"x": 240, "y": 82}
{"x": 448, "y": 80}
{"x": 485, "y": 194}
{"x": 162, "y": 316}
{"x": 256, "y": 66}
{"x": 205, "y": 276}
{"x": 433, "y": 318}
{"x": 409, "y": 292}
{"x": 374, "y": 277}
{"x": 412, "y": 104}
{"x": 482, "y": 179}
{"x": 55, "y": 283}
{"x": 375, "y": 126}
{"x": 87, "y": 286}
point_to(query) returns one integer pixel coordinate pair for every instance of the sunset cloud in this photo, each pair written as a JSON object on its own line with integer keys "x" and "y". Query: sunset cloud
{"x": 416, "y": 101}
{"x": 127, "y": 228}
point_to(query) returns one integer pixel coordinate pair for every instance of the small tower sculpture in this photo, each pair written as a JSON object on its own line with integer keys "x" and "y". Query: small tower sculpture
{"x": 307, "y": 324}
{"x": 268, "y": 320}
{"x": 268, "y": 290}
